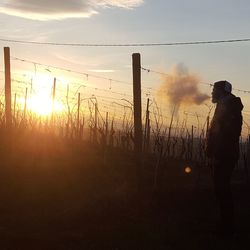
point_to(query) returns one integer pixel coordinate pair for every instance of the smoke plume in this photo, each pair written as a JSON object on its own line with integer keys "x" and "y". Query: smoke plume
{"x": 181, "y": 87}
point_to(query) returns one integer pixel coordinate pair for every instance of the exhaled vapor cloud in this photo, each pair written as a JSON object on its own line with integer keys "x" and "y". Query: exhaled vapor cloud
{"x": 181, "y": 87}
{"x": 61, "y": 9}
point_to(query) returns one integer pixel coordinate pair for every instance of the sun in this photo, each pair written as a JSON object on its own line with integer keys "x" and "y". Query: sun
{"x": 40, "y": 100}
{"x": 43, "y": 105}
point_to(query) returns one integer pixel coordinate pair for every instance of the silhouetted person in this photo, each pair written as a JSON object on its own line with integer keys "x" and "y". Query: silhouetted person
{"x": 223, "y": 148}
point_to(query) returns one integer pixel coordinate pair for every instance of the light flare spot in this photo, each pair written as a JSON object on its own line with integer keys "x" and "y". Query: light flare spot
{"x": 188, "y": 170}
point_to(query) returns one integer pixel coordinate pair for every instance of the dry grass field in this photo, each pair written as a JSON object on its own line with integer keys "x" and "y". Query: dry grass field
{"x": 61, "y": 194}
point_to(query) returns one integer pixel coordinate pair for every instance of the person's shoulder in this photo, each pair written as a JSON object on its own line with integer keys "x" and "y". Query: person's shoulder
{"x": 233, "y": 103}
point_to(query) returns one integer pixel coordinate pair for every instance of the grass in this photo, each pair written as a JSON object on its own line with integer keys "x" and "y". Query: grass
{"x": 62, "y": 194}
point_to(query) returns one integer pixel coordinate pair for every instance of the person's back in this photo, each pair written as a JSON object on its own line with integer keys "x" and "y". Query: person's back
{"x": 223, "y": 148}
{"x": 225, "y": 130}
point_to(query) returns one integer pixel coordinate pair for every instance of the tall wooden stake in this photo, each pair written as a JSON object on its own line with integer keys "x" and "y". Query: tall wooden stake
{"x": 106, "y": 128}
{"x": 31, "y": 86}
{"x": 146, "y": 128}
{"x": 208, "y": 124}
{"x": 136, "y": 60}
{"x": 96, "y": 121}
{"x": 8, "y": 118}
{"x": 148, "y": 136}
{"x": 78, "y": 112}
{"x": 53, "y": 99}
{"x": 67, "y": 100}
{"x": 137, "y": 102}
{"x": 192, "y": 142}
{"x": 25, "y": 103}
{"x": 169, "y": 131}
{"x": 14, "y": 112}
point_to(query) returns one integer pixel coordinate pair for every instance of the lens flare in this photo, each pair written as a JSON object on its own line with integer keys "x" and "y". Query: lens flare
{"x": 188, "y": 170}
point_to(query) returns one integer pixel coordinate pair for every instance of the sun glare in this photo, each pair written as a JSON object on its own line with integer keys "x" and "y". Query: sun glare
{"x": 43, "y": 105}
{"x": 40, "y": 100}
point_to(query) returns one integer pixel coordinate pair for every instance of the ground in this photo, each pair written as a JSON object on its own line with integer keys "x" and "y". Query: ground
{"x": 60, "y": 194}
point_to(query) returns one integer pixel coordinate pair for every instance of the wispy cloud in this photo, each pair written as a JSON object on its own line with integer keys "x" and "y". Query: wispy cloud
{"x": 61, "y": 9}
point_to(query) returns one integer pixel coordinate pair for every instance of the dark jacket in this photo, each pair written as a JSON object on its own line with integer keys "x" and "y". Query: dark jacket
{"x": 225, "y": 129}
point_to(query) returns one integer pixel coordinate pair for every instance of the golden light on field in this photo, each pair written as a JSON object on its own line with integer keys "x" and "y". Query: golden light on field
{"x": 188, "y": 170}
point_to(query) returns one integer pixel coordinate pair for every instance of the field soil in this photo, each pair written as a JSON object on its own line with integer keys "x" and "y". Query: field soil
{"x": 63, "y": 194}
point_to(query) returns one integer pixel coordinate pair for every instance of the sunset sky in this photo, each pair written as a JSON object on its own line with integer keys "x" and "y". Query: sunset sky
{"x": 126, "y": 22}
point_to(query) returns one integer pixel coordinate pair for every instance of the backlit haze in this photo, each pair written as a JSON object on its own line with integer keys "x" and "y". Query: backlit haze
{"x": 104, "y": 74}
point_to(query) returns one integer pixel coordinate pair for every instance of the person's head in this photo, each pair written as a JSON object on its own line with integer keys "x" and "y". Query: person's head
{"x": 221, "y": 89}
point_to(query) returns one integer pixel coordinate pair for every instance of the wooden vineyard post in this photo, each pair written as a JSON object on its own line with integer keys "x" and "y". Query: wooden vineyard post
{"x": 14, "y": 111}
{"x": 25, "y": 104}
{"x": 106, "y": 128}
{"x": 8, "y": 118}
{"x": 145, "y": 139}
{"x": 111, "y": 135}
{"x": 82, "y": 128}
{"x": 136, "y": 61}
{"x": 148, "y": 136}
{"x": 95, "y": 125}
{"x": 247, "y": 162}
{"x": 31, "y": 86}
{"x": 53, "y": 100}
{"x": 68, "y": 113}
{"x": 192, "y": 143}
{"x": 78, "y": 114}
{"x": 169, "y": 131}
{"x": 208, "y": 124}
